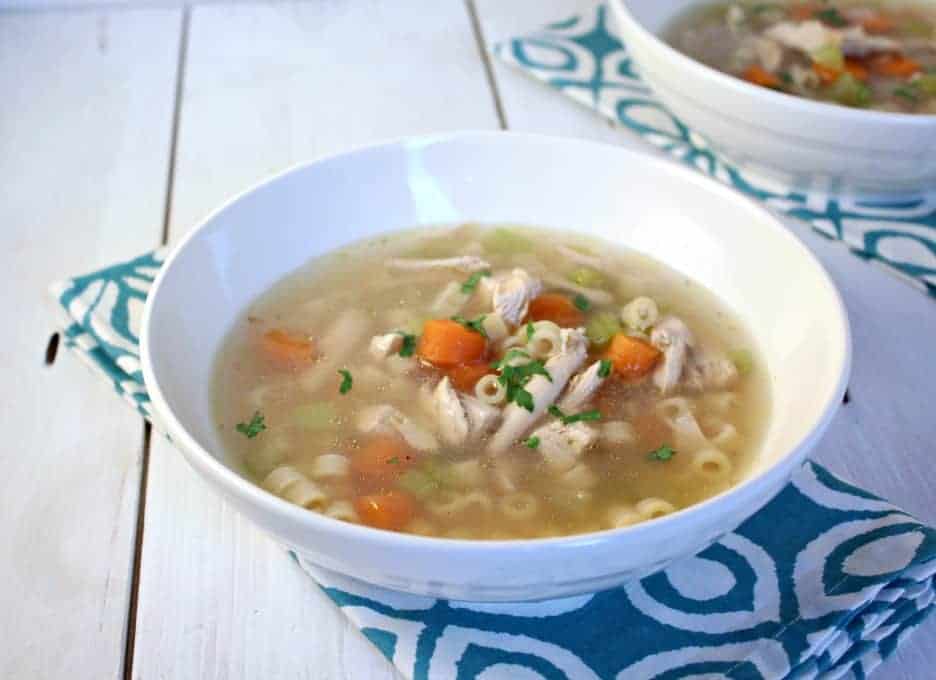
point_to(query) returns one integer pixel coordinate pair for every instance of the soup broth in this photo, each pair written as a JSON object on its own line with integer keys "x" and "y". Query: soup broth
{"x": 490, "y": 383}
{"x": 878, "y": 55}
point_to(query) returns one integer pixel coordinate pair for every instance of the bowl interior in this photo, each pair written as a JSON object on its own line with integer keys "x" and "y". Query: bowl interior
{"x": 709, "y": 232}
{"x": 656, "y": 16}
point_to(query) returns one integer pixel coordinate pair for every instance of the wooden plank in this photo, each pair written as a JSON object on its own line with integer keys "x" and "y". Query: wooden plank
{"x": 883, "y": 439}
{"x": 84, "y": 136}
{"x": 265, "y": 87}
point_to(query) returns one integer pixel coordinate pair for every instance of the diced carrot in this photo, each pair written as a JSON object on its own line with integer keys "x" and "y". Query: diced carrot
{"x": 894, "y": 65}
{"x": 761, "y": 76}
{"x": 445, "y": 343}
{"x": 286, "y": 348}
{"x": 392, "y": 510}
{"x": 857, "y": 69}
{"x": 802, "y": 11}
{"x": 826, "y": 74}
{"x": 382, "y": 460}
{"x": 557, "y": 308}
{"x": 633, "y": 358}
{"x": 465, "y": 377}
{"x": 877, "y": 23}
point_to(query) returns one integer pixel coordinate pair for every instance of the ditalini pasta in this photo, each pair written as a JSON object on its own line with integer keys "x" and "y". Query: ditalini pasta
{"x": 490, "y": 383}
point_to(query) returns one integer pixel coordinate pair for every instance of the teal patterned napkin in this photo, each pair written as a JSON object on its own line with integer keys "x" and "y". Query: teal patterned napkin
{"x": 826, "y": 581}
{"x": 582, "y": 57}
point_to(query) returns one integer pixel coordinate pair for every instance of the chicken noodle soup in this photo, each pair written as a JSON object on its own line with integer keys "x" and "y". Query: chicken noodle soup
{"x": 861, "y": 53}
{"x": 490, "y": 383}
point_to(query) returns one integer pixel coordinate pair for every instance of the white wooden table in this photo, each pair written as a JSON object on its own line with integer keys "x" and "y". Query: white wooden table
{"x": 120, "y": 126}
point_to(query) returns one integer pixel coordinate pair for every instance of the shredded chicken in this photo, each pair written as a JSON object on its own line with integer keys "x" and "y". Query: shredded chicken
{"x": 857, "y": 43}
{"x": 769, "y": 53}
{"x": 453, "y": 421}
{"x": 465, "y": 263}
{"x": 578, "y": 257}
{"x": 562, "y": 445}
{"x": 582, "y": 388}
{"x": 450, "y": 301}
{"x": 482, "y": 417}
{"x": 517, "y": 420}
{"x": 382, "y": 346}
{"x": 672, "y": 337}
{"x": 386, "y": 418}
{"x": 512, "y": 295}
{"x": 710, "y": 370}
{"x": 807, "y": 36}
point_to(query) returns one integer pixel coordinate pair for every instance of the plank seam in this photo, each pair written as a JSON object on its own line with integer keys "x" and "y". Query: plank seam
{"x": 486, "y": 60}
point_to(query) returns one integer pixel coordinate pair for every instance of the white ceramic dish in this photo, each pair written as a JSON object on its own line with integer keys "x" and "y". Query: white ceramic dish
{"x": 711, "y": 233}
{"x": 796, "y": 141}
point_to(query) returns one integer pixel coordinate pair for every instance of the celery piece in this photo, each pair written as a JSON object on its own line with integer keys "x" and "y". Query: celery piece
{"x": 587, "y": 277}
{"x": 829, "y": 56}
{"x": 316, "y": 415}
{"x": 850, "y": 91}
{"x": 503, "y": 241}
{"x": 743, "y": 360}
{"x": 418, "y": 483}
{"x": 601, "y": 328}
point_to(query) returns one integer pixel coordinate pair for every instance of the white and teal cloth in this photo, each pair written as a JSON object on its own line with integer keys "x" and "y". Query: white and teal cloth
{"x": 582, "y": 57}
{"x": 825, "y": 582}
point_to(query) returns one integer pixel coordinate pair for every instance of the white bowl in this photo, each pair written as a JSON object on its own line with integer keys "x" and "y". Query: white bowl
{"x": 711, "y": 233}
{"x": 789, "y": 139}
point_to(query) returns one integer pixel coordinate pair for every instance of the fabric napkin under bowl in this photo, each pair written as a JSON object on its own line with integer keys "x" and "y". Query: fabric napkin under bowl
{"x": 826, "y": 581}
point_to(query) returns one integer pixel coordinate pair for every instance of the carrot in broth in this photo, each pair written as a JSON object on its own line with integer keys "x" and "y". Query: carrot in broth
{"x": 557, "y": 308}
{"x": 288, "y": 349}
{"x": 392, "y": 510}
{"x": 445, "y": 343}
{"x": 633, "y": 358}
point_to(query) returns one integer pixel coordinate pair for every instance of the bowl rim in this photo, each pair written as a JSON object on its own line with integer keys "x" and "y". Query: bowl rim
{"x": 826, "y": 110}
{"x": 234, "y": 484}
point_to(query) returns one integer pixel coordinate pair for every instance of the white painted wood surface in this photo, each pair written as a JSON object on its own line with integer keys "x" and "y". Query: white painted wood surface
{"x": 81, "y": 186}
{"x": 84, "y": 149}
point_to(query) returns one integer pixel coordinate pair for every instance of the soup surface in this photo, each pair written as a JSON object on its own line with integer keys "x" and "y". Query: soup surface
{"x": 861, "y": 53}
{"x": 490, "y": 383}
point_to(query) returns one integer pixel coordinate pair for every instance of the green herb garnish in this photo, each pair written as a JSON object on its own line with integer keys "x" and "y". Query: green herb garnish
{"x": 832, "y": 17}
{"x": 515, "y": 378}
{"x": 409, "y": 344}
{"x": 605, "y": 369}
{"x": 394, "y": 461}
{"x": 664, "y": 453}
{"x": 532, "y": 442}
{"x": 575, "y": 417}
{"x": 476, "y": 325}
{"x": 909, "y": 92}
{"x": 530, "y": 330}
{"x": 347, "y": 382}
{"x": 253, "y": 428}
{"x": 581, "y": 302}
{"x": 468, "y": 287}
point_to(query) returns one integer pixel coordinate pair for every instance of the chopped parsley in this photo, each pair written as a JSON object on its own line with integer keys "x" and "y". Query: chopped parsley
{"x": 581, "y": 302}
{"x": 909, "y": 92}
{"x": 832, "y": 17}
{"x": 409, "y": 344}
{"x": 532, "y": 442}
{"x": 530, "y": 330}
{"x": 347, "y": 382}
{"x": 468, "y": 287}
{"x": 604, "y": 370}
{"x": 575, "y": 417}
{"x": 515, "y": 378}
{"x": 394, "y": 461}
{"x": 664, "y": 453}
{"x": 253, "y": 428}
{"x": 476, "y": 325}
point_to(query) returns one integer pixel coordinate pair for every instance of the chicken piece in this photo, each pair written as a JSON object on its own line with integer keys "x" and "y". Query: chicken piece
{"x": 465, "y": 263}
{"x": 512, "y": 295}
{"x": 619, "y": 433}
{"x": 672, "y": 337}
{"x": 593, "y": 295}
{"x": 807, "y": 36}
{"x": 382, "y": 346}
{"x": 482, "y": 418}
{"x": 562, "y": 445}
{"x": 386, "y": 418}
{"x": 857, "y": 43}
{"x": 710, "y": 370}
{"x": 453, "y": 422}
{"x": 517, "y": 420}
{"x": 582, "y": 388}
{"x": 450, "y": 301}
{"x": 769, "y": 54}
